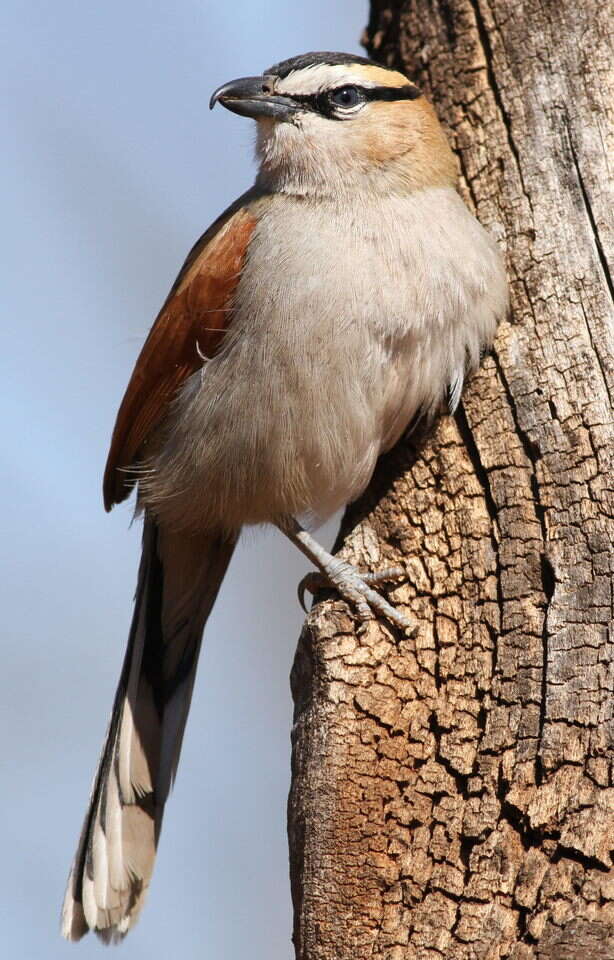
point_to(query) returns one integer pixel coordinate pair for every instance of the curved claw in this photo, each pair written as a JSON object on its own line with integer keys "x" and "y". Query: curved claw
{"x": 312, "y": 582}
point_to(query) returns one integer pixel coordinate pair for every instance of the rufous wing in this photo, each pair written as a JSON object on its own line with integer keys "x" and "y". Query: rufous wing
{"x": 189, "y": 327}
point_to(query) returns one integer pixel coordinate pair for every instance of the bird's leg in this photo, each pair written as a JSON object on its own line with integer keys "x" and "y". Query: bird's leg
{"x": 349, "y": 582}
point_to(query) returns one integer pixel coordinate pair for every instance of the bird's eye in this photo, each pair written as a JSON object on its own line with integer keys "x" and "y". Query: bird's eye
{"x": 346, "y": 97}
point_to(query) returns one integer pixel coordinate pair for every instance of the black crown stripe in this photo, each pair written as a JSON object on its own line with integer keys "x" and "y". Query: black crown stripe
{"x": 285, "y": 67}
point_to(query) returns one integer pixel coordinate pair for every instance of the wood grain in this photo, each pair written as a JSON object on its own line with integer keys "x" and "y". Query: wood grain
{"x": 453, "y": 796}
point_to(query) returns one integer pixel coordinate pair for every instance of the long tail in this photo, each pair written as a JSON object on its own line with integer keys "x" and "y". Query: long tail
{"x": 178, "y": 581}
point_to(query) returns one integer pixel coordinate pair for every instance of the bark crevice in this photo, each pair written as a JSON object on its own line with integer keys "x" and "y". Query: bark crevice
{"x": 453, "y": 796}
{"x": 605, "y": 266}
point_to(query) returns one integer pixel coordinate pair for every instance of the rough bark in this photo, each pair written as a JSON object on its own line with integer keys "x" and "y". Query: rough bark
{"x": 453, "y": 795}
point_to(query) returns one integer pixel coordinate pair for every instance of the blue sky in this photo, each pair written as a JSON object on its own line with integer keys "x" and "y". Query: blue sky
{"x": 112, "y": 165}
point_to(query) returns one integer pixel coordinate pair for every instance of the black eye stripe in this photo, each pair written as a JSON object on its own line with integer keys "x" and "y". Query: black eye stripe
{"x": 406, "y": 92}
{"x": 320, "y": 103}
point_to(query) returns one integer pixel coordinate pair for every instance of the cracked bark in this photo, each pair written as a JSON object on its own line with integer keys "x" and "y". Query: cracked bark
{"x": 453, "y": 796}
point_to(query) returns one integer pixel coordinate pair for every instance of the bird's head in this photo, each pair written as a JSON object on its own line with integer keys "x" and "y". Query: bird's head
{"x": 329, "y": 123}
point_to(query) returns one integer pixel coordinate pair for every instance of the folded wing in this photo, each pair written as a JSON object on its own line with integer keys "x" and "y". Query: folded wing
{"x": 189, "y": 327}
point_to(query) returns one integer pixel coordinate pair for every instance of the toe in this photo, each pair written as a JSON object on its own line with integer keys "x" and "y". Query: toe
{"x": 391, "y": 613}
{"x": 383, "y": 576}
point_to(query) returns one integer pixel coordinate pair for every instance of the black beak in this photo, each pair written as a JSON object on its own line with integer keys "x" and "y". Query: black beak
{"x": 254, "y": 97}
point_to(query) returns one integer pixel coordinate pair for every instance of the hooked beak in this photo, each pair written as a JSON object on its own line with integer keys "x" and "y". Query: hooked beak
{"x": 254, "y": 97}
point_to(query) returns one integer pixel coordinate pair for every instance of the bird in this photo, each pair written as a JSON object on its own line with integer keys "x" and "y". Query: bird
{"x": 347, "y": 292}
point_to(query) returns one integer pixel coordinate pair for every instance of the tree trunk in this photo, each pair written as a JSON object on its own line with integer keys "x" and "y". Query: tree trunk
{"x": 452, "y": 795}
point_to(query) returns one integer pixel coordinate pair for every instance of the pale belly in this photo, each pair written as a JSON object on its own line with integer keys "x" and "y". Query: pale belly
{"x": 324, "y": 367}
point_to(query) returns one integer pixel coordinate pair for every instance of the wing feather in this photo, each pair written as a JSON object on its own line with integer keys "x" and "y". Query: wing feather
{"x": 189, "y": 328}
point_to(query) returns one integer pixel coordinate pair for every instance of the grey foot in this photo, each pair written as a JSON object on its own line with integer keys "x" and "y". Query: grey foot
{"x": 319, "y": 581}
{"x": 355, "y": 588}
